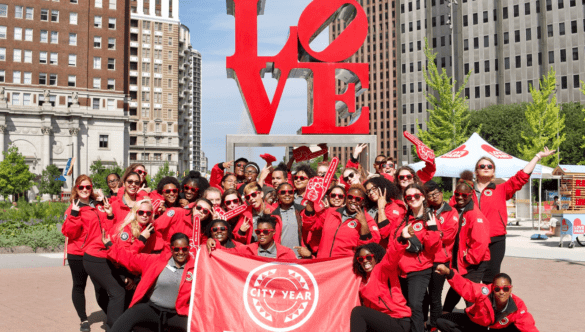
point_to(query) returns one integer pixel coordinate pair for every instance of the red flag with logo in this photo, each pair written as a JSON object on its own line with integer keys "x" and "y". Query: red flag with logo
{"x": 244, "y": 293}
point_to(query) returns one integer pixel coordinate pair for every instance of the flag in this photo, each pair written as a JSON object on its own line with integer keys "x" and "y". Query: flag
{"x": 244, "y": 293}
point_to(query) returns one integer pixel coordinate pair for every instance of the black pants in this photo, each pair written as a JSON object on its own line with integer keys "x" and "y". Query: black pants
{"x": 367, "y": 319}
{"x": 433, "y": 296}
{"x": 79, "y": 276}
{"x": 103, "y": 273}
{"x": 497, "y": 252}
{"x": 475, "y": 274}
{"x": 414, "y": 288}
{"x": 145, "y": 313}
{"x": 460, "y": 322}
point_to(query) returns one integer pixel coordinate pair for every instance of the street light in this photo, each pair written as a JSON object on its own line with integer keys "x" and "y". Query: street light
{"x": 450, "y": 23}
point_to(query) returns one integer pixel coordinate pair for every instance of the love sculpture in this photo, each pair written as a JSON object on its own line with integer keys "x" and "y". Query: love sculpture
{"x": 297, "y": 58}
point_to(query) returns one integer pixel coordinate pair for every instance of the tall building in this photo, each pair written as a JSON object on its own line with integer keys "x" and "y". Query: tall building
{"x": 507, "y": 45}
{"x": 62, "y": 81}
{"x": 379, "y": 50}
{"x": 197, "y": 154}
{"x": 159, "y": 66}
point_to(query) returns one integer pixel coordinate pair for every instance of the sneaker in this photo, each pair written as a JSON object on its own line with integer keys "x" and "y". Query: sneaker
{"x": 84, "y": 327}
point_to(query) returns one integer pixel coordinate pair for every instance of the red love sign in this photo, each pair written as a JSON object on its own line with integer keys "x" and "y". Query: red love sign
{"x": 317, "y": 186}
{"x": 424, "y": 152}
{"x": 460, "y": 152}
{"x": 495, "y": 153}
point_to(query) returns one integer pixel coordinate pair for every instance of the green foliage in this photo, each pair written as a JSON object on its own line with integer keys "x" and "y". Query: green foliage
{"x": 314, "y": 163}
{"x": 38, "y": 236}
{"x": 583, "y": 146}
{"x": 545, "y": 122}
{"x": 47, "y": 182}
{"x": 99, "y": 172}
{"x": 571, "y": 150}
{"x": 15, "y": 176}
{"x": 447, "y": 126}
{"x": 32, "y": 211}
{"x": 161, "y": 173}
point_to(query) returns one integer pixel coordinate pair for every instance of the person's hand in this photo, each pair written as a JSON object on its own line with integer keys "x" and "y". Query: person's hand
{"x": 161, "y": 209}
{"x": 227, "y": 164}
{"x": 144, "y": 188}
{"x": 358, "y": 149}
{"x": 410, "y": 230}
{"x": 245, "y": 226}
{"x": 545, "y": 153}
{"x": 99, "y": 195}
{"x": 211, "y": 245}
{"x": 310, "y": 207}
{"x": 183, "y": 202}
{"x": 442, "y": 270}
{"x": 108, "y": 206}
{"x": 432, "y": 220}
{"x": 372, "y": 175}
{"x": 325, "y": 204}
{"x": 382, "y": 199}
{"x": 147, "y": 231}
{"x": 75, "y": 205}
{"x": 130, "y": 285}
{"x": 105, "y": 238}
{"x": 361, "y": 216}
{"x": 406, "y": 233}
{"x": 303, "y": 252}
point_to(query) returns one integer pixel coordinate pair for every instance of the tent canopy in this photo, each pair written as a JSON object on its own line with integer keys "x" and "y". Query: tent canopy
{"x": 467, "y": 154}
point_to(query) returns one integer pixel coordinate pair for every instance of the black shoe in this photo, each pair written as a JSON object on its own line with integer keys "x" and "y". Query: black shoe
{"x": 84, "y": 327}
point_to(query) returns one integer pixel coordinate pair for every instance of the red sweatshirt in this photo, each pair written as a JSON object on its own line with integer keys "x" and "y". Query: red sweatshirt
{"x": 339, "y": 238}
{"x": 420, "y": 254}
{"x": 150, "y": 267}
{"x": 381, "y": 291}
{"x": 126, "y": 239}
{"x": 282, "y": 252}
{"x": 246, "y": 237}
{"x": 448, "y": 224}
{"x": 473, "y": 239}
{"x": 395, "y": 211}
{"x": 174, "y": 220}
{"x": 75, "y": 232}
{"x": 93, "y": 220}
{"x": 482, "y": 311}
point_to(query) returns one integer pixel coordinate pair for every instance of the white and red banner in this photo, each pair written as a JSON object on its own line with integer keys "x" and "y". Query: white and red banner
{"x": 244, "y": 293}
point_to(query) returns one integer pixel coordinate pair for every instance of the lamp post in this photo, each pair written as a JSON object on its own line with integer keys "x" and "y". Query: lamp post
{"x": 450, "y": 4}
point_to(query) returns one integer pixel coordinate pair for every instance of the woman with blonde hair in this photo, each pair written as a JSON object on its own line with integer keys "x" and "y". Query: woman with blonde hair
{"x": 133, "y": 233}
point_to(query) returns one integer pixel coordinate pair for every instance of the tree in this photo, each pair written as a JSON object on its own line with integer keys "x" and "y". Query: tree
{"x": 99, "y": 173}
{"x": 447, "y": 126}
{"x": 571, "y": 150}
{"x": 48, "y": 183}
{"x": 15, "y": 176}
{"x": 545, "y": 121}
{"x": 161, "y": 173}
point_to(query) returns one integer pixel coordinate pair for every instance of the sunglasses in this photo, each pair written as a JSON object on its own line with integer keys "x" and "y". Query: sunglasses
{"x": 233, "y": 201}
{"x": 180, "y": 249}
{"x": 338, "y": 196}
{"x": 371, "y": 190}
{"x": 405, "y": 177}
{"x": 390, "y": 165}
{"x": 263, "y": 231}
{"x": 367, "y": 257}
{"x": 505, "y": 288}
{"x": 113, "y": 181}
{"x": 380, "y": 162}
{"x": 300, "y": 178}
{"x": 241, "y": 165}
{"x": 251, "y": 195}
{"x": 170, "y": 191}
{"x": 413, "y": 197}
{"x": 191, "y": 189}
{"x": 251, "y": 172}
{"x": 219, "y": 229}
{"x": 88, "y": 187}
{"x": 349, "y": 176}
{"x": 202, "y": 209}
{"x": 139, "y": 172}
{"x": 132, "y": 183}
{"x": 286, "y": 192}
{"x": 484, "y": 166}
{"x": 144, "y": 212}
{"x": 355, "y": 198}
{"x": 464, "y": 195}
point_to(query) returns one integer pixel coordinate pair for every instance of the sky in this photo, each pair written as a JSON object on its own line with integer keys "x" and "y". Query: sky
{"x": 223, "y": 111}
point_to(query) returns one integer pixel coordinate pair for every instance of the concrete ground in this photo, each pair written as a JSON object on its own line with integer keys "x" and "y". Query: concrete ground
{"x": 35, "y": 289}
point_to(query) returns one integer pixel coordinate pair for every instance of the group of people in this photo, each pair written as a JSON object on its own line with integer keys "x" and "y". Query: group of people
{"x": 135, "y": 242}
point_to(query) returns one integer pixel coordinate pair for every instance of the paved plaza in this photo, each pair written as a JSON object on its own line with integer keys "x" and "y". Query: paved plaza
{"x": 36, "y": 289}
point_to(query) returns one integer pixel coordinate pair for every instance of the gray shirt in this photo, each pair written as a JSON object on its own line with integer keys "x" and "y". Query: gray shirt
{"x": 477, "y": 193}
{"x": 255, "y": 224}
{"x": 166, "y": 288}
{"x": 345, "y": 215}
{"x": 270, "y": 252}
{"x": 290, "y": 229}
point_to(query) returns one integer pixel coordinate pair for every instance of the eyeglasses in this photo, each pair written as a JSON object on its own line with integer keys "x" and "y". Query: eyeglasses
{"x": 202, "y": 209}
{"x": 180, "y": 249}
{"x": 349, "y": 176}
{"x": 504, "y": 288}
{"x": 132, "y": 183}
{"x": 263, "y": 231}
{"x": 240, "y": 164}
{"x": 484, "y": 166}
{"x": 434, "y": 195}
{"x": 301, "y": 178}
{"x": 219, "y": 229}
{"x": 88, "y": 187}
{"x": 113, "y": 181}
{"x": 286, "y": 192}
{"x": 170, "y": 191}
{"x": 405, "y": 177}
{"x": 367, "y": 257}
{"x": 338, "y": 196}
{"x": 144, "y": 212}
{"x": 371, "y": 190}
{"x": 464, "y": 195}
{"x": 233, "y": 201}
{"x": 355, "y": 198}
{"x": 412, "y": 197}
{"x": 191, "y": 189}
{"x": 139, "y": 172}
{"x": 251, "y": 195}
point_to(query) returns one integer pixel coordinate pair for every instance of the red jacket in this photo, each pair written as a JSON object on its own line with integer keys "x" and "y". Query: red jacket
{"x": 448, "y": 224}
{"x": 381, "y": 291}
{"x": 246, "y": 237}
{"x": 75, "y": 232}
{"x": 120, "y": 210}
{"x": 482, "y": 310}
{"x": 282, "y": 252}
{"x": 339, "y": 238}
{"x": 395, "y": 211}
{"x": 420, "y": 254}
{"x": 150, "y": 267}
{"x": 174, "y": 220}
{"x": 126, "y": 239}
{"x": 474, "y": 239}
{"x": 93, "y": 220}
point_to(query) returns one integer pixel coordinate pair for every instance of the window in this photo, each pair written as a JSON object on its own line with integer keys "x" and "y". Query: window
{"x": 72, "y": 18}
{"x": 111, "y": 23}
{"x": 44, "y": 14}
{"x": 26, "y": 99}
{"x": 487, "y": 66}
{"x": 506, "y": 63}
{"x": 97, "y": 62}
{"x": 562, "y": 29}
{"x": 518, "y": 87}
{"x": 71, "y": 80}
{"x": 527, "y": 8}
{"x": 575, "y": 54}
{"x": 551, "y": 57}
{"x": 170, "y": 41}
{"x": 486, "y": 41}
{"x": 529, "y": 60}
{"x": 548, "y": 5}
{"x": 98, "y": 3}
{"x": 54, "y": 58}
{"x": 518, "y": 61}
{"x": 517, "y": 36}
{"x": 17, "y": 55}
{"x": 97, "y": 42}
{"x": 112, "y": 4}
{"x": 475, "y": 19}
{"x": 17, "y": 33}
{"x": 27, "y": 77}
{"x": 16, "y": 77}
{"x": 549, "y": 29}
{"x": 561, "y": 4}
{"x": 528, "y": 34}
{"x": 170, "y": 98}
{"x": 17, "y": 11}
{"x": 28, "y": 56}
{"x": 487, "y": 90}
{"x": 95, "y": 102}
{"x": 15, "y": 98}
{"x": 506, "y": 38}
{"x": 54, "y": 37}
{"x": 72, "y": 60}
{"x": 2, "y": 53}
{"x": 43, "y": 78}
{"x": 573, "y": 26}
{"x": 73, "y": 1}
{"x": 111, "y": 43}
{"x": 505, "y": 12}
{"x": 516, "y": 10}
{"x": 485, "y": 17}
{"x": 111, "y": 64}
{"x": 97, "y": 83}
{"x": 29, "y": 13}
{"x": 111, "y": 104}
{"x": 563, "y": 55}
{"x": 44, "y": 36}
{"x": 54, "y": 15}
{"x": 529, "y": 85}
{"x": 97, "y": 22}
{"x": 576, "y": 81}
{"x": 2, "y": 76}
{"x": 508, "y": 89}
{"x": 104, "y": 141}
{"x": 476, "y": 67}
{"x": 563, "y": 82}
{"x": 170, "y": 69}
{"x": 28, "y": 35}
{"x": 111, "y": 84}
{"x": 73, "y": 39}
